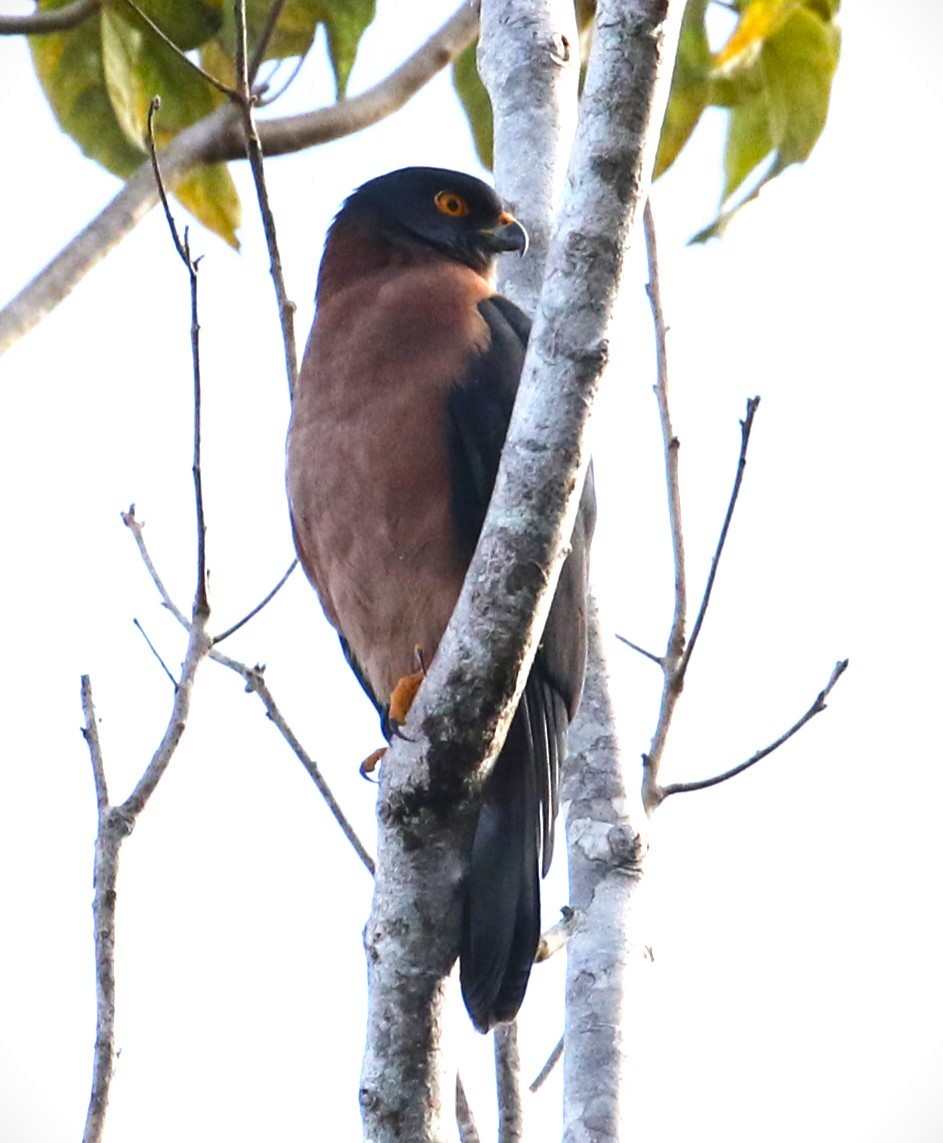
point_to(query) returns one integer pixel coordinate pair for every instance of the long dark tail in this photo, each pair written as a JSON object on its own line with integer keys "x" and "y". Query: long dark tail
{"x": 501, "y": 926}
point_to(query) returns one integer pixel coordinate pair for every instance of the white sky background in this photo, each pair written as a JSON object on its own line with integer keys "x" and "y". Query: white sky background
{"x": 794, "y": 914}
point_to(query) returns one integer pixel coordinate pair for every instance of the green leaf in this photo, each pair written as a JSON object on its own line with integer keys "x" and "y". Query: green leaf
{"x": 775, "y": 76}
{"x": 70, "y": 71}
{"x": 210, "y": 195}
{"x": 690, "y": 86}
{"x": 474, "y": 97}
{"x": 800, "y": 62}
{"x": 138, "y": 66}
{"x": 188, "y": 24}
{"x": 748, "y": 143}
{"x": 344, "y": 21}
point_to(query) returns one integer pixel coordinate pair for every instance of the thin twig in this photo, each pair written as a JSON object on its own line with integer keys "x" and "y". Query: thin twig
{"x": 816, "y": 708}
{"x": 286, "y": 308}
{"x": 51, "y": 20}
{"x": 255, "y": 683}
{"x": 659, "y": 659}
{"x": 746, "y": 426}
{"x": 670, "y": 662}
{"x": 197, "y": 649}
{"x": 258, "y": 53}
{"x": 548, "y": 1067}
{"x": 507, "y": 1069}
{"x": 467, "y": 1131}
{"x": 179, "y": 53}
{"x": 136, "y": 528}
{"x": 265, "y": 97}
{"x": 677, "y": 657}
{"x": 115, "y": 823}
{"x": 217, "y": 639}
{"x": 670, "y": 442}
{"x": 90, "y": 734}
{"x": 167, "y": 671}
{"x": 201, "y": 605}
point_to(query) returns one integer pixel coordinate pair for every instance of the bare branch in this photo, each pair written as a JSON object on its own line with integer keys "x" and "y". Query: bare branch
{"x": 670, "y": 441}
{"x": 51, "y": 20}
{"x": 201, "y": 607}
{"x": 115, "y": 823}
{"x": 816, "y": 708}
{"x": 113, "y": 828}
{"x": 746, "y": 425}
{"x": 217, "y": 639}
{"x": 467, "y": 1131}
{"x": 167, "y": 671}
{"x": 197, "y": 649}
{"x": 677, "y": 656}
{"x": 255, "y": 683}
{"x": 670, "y": 662}
{"x": 219, "y": 138}
{"x": 90, "y": 734}
{"x": 286, "y": 308}
{"x": 507, "y": 1070}
{"x": 544, "y": 1074}
{"x": 641, "y": 650}
{"x": 136, "y": 527}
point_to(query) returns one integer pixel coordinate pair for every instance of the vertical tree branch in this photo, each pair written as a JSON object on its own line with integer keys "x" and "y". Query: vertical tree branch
{"x": 507, "y": 1070}
{"x": 671, "y": 662}
{"x": 467, "y": 1131}
{"x": 633, "y": 48}
{"x": 528, "y": 57}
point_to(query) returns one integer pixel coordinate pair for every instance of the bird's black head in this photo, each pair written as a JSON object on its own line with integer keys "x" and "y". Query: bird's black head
{"x": 453, "y": 213}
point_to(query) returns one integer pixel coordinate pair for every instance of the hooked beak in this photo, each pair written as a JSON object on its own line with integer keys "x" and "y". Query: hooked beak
{"x": 507, "y": 235}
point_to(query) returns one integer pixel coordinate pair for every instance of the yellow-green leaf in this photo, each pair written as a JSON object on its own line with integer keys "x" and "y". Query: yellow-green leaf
{"x": 748, "y": 143}
{"x": 188, "y": 24}
{"x": 759, "y": 19}
{"x": 138, "y": 66}
{"x": 800, "y": 62}
{"x": 775, "y": 76}
{"x": 69, "y": 69}
{"x": 474, "y": 96}
{"x": 690, "y": 86}
{"x": 346, "y": 21}
{"x": 210, "y": 195}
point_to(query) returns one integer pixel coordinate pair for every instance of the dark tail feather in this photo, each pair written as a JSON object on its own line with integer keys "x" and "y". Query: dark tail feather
{"x": 502, "y": 904}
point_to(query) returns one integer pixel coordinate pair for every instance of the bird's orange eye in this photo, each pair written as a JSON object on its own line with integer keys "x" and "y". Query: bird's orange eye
{"x": 451, "y": 204}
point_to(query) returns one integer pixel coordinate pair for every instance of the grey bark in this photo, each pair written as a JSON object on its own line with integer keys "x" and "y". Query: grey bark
{"x": 461, "y": 714}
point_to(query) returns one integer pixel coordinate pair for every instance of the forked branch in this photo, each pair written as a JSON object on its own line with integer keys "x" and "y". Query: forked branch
{"x": 677, "y": 657}
{"x": 816, "y": 708}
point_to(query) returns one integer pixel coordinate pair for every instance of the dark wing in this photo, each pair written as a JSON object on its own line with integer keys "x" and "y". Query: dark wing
{"x": 514, "y": 837}
{"x": 480, "y": 409}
